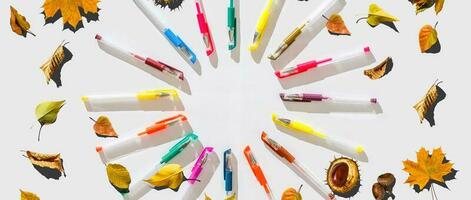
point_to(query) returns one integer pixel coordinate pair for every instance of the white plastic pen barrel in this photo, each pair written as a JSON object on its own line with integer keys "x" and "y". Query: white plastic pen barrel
{"x": 149, "y": 137}
{"x": 145, "y": 100}
{"x": 313, "y": 181}
{"x": 357, "y": 57}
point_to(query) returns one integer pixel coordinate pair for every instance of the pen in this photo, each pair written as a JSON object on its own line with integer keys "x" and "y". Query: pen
{"x": 339, "y": 145}
{"x": 262, "y": 23}
{"x": 199, "y": 164}
{"x": 228, "y": 172}
{"x": 160, "y": 23}
{"x": 307, "y": 97}
{"x": 356, "y": 57}
{"x": 140, "y": 188}
{"x": 314, "y": 182}
{"x": 315, "y": 22}
{"x": 122, "y": 54}
{"x": 144, "y": 139}
{"x": 204, "y": 27}
{"x": 257, "y": 171}
{"x": 127, "y": 102}
{"x": 232, "y": 25}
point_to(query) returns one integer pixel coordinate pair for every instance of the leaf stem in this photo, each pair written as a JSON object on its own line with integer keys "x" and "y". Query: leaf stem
{"x": 435, "y": 27}
{"x": 92, "y": 119}
{"x": 31, "y": 33}
{"x": 362, "y": 18}
{"x": 39, "y": 134}
{"x": 325, "y": 17}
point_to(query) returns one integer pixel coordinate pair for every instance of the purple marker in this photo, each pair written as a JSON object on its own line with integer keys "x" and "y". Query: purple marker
{"x": 306, "y": 97}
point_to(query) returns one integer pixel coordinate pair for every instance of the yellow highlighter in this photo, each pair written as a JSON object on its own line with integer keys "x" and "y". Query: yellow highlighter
{"x": 144, "y": 100}
{"x": 262, "y": 24}
{"x": 338, "y": 145}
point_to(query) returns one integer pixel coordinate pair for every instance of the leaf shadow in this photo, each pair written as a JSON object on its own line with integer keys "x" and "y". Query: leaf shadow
{"x": 436, "y": 48}
{"x": 56, "y": 75}
{"x": 389, "y": 66}
{"x": 430, "y": 115}
{"x": 50, "y": 173}
{"x": 391, "y": 25}
{"x": 88, "y": 16}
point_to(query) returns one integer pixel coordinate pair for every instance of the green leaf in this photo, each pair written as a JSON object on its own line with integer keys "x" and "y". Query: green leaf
{"x": 46, "y": 113}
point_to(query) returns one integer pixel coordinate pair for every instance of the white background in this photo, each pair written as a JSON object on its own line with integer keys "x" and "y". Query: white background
{"x": 232, "y": 103}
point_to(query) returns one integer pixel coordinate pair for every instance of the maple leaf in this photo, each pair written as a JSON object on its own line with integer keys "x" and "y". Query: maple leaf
{"x": 71, "y": 12}
{"x": 427, "y": 168}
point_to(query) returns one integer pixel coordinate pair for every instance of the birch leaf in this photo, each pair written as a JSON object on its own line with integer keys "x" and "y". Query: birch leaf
{"x": 292, "y": 194}
{"x": 50, "y": 161}
{"x": 429, "y": 167}
{"x": 71, "y": 12}
{"x": 46, "y": 113}
{"x": 336, "y": 25}
{"x": 119, "y": 177}
{"x": 377, "y": 15}
{"x": 53, "y": 66}
{"x": 426, "y": 106}
{"x": 28, "y": 195}
{"x": 381, "y": 70}
{"x": 169, "y": 176}
{"x": 232, "y": 197}
{"x": 428, "y": 37}
{"x": 103, "y": 127}
{"x": 18, "y": 23}
{"x": 439, "y": 6}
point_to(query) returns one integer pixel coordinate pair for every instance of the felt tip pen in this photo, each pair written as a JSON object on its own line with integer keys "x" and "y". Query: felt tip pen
{"x": 113, "y": 49}
{"x": 257, "y": 171}
{"x": 128, "y": 101}
{"x": 232, "y": 25}
{"x": 204, "y": 27}
{"x": 141, "y": 188}
{"x": 262, "y": 23}
{"x": 356, "y": 57}
{"x": 149, "y": 137}
{"x": 314, "y": 23}
{"x": 338, "y": 145}
{"x": 308, "y": 97}
{"x": 159, "y": 21}
{"x": 313, "y": 181}
{"x": 228, "y": 172}
{"x": 199, "y": 164}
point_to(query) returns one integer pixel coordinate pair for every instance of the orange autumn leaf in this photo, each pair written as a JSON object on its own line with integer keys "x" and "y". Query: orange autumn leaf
{"x": 427, "y": 168}
{"x": 70, "y": 11}
{"x": 428, "y": 37}
{"x": 18, "y": 23}
{"x": 336, "y": 25}
{"x": 104, "y": 128}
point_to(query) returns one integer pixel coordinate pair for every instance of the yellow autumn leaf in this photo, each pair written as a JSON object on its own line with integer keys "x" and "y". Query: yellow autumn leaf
{"x": 52, "y": 67}
{"x": 428, "y": 37}
{"x": 377, "y": 15}
{"x": 427, "y": 168}
{"x": 292, "y": 194}
{"x": 422, "y": 5}
{"x": 51, "y": 161}
{"x": 427, "y": 102}
{"x": 336, "y": 25}
{"x": 381, "y": 70}
{"x": 18, "y": 23}
{"x": 28, "y": 195}
{"x": 439, "y": 6}
{"x": 169, "y": 176}
{"x": 103, "y": 127}
{"x": 119, "y": 177}
{"x": 46, "y": 113}
{"x": 232, "y": 197}
{"x": 70, "y": 11}
{"x": 206, "y": 197}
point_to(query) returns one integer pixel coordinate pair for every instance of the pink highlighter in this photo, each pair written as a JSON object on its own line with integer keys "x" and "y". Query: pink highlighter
{"x": 204, "y": 27}
{"x": 199, "y": 165}
{"x": 357, "y": 57}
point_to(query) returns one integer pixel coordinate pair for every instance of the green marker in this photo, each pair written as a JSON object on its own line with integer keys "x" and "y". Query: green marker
{"x": 232, "y": 25}
{"x": 179, "y": 147}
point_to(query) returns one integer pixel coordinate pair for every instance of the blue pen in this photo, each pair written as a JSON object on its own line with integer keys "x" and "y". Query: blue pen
{"x": 228, "y": 172}
{"x": 160, "y": 23}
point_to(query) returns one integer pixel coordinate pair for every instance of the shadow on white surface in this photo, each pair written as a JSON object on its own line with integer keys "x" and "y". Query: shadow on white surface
{"x": 270, "y": 28}
{"x": 193, "y": 191}
{"x": 161, "y": 104}
{"x": 327, "y": 107}
{"x": 214, "y": 59}
{"x": 322, "y": 143}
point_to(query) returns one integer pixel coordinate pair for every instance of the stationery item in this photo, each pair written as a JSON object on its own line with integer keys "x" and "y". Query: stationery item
{"x": 228, "y": 172}
{"x": 232, "y": 25}
{"x": 202, "y": 171}
{"x": 357, "y": 57}
{"x": 141, "y": 188}
{"x": 307, "y": 97}
{"x": 113, "y": 49}
{"x": 126, "y": 102}
{"x": 149, "y": 137}
{"x": 314, "y": 23}
{"x": 160, "y": 23}
{"x": 199, "y": 164}
{"x": 339, "y": 145}
{"x": 263, "y": 22}
{"x": 257, "y": 171}
{"x": 312, "y": 180}
{"x": 204, "y": 27}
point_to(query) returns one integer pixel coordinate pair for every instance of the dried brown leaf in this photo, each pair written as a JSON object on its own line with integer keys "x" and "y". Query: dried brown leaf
{"x": 51, "y": 161}
{"x": 381, "y": 70}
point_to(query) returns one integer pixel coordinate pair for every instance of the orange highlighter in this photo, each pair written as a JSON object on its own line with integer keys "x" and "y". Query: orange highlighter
{"x": 257, "y": 171}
